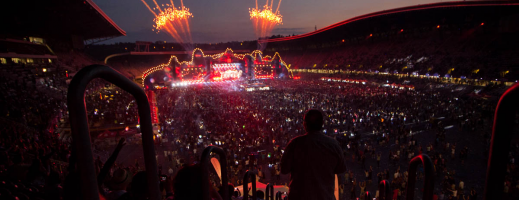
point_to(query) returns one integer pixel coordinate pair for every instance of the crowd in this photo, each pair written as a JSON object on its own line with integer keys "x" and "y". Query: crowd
{"x": 373, "y": 124}
{"x": 379, "y": 129}
{"x": 32, "y": 101}
{"x": 34, "y": 118}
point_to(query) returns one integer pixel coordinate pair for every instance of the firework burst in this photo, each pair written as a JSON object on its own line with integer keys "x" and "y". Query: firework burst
{"x": 264, "y": 20}
{"x": 173, "y": 20}
{"x": 267, "y": 15}
{"x": 170, "y": 15}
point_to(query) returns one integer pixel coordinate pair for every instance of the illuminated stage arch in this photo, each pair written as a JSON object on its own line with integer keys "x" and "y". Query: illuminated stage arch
{"x": 217, "y": 67}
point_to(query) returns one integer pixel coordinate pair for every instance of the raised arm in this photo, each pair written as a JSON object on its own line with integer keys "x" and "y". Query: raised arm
{"x": 110, "y": 162}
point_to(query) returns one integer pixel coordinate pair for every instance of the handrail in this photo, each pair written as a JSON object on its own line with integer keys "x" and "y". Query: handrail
{"x": 251, "y": 175}
{"x": 205, "y": 161}
{"x": 429, "y": 177}
{"x": 269, "y": 193}
{"x": 500, "y": 143}
{"x": 278, "y": 195}
{"x": 81, "y": 134}
{"x": 384, "y": 192}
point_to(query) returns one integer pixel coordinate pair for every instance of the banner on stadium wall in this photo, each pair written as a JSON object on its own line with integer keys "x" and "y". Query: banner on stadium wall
{"x": 153, "y": 107}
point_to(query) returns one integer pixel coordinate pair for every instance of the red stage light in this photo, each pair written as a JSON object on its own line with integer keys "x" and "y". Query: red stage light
{"x": 438, "y": 26}
{"x": 370, "y": 35}
{"x": 482, "y": 24}
{"x": 401, "y": 30}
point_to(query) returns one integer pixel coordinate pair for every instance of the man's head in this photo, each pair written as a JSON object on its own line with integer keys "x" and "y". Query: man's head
{"x": 230, "y": 188}
{"x": 120, "y": 179}
{"x": 313, "y": 120}
{"x": 188, "y": 182}
{"x": 260, "y": 194}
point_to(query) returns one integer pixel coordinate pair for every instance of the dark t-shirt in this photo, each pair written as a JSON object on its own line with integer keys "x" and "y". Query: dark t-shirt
{"x": 312, "y": 160}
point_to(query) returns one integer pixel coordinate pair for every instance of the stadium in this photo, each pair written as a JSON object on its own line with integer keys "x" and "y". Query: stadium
{"x": 410, "y": 102}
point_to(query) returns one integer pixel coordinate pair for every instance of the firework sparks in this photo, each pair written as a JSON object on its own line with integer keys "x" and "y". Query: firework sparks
{"x": 171, "y": 15}
{"x": 264, "y": 20}
{"x": 266, "y": 14}
{"x": 173, "y": 20}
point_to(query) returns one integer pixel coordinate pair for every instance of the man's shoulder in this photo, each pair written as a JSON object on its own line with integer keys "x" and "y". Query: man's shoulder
{"x": 297, "y": 139}
{"x": 328, "y": 139}
{"x": 319, "y": 137}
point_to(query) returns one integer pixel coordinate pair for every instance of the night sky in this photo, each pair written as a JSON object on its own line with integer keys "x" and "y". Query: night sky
{"x": 228, "y": 20}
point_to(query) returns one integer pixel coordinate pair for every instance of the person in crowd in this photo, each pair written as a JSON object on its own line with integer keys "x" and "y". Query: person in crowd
{"x": 187, "y": 184}
{"x": 138, "y": 188}
{"x": 118, "y": 184}
{"x": 230, "y": 188}
{"x": 53, "y": 189}
{"x": 260, "y": 195}
{"x": 312, "y": 160}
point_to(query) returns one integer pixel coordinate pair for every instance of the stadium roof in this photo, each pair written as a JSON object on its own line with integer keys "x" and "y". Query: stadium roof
{"x": 56, "y": 18}
{"x": 432, "y": 6}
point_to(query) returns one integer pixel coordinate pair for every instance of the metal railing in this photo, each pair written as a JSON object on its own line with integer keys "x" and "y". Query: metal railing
{"x": 384, "y": 192}
{"x": 252, "y": 176}
{"x": 269, "y": 193}
{"x": 504, "y": 123}
{"x": 429, "y": 177}
{"x": 205, "y": 161}
{"x": 81, "y": 135}
{"x": 279, "y": 194}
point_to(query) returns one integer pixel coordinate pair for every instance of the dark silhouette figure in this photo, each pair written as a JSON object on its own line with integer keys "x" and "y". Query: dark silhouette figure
{"x": 312, "y": 160}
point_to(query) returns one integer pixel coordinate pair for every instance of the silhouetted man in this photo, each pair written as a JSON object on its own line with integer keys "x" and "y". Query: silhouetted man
{"x": 312, "y": 160}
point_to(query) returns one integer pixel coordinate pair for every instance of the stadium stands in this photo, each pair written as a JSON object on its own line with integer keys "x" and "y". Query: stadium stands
{"x": 430, "y": 38}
